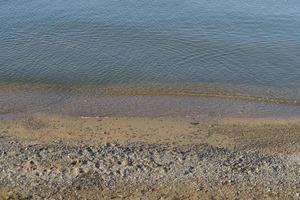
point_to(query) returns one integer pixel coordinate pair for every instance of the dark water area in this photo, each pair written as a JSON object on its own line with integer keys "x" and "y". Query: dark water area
{"x": 111, "y": 42}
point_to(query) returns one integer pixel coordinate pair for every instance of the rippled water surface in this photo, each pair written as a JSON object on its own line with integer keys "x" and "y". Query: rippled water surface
{"x": 107, "y": 42}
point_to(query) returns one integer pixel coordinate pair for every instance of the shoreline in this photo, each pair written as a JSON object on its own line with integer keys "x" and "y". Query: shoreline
{"x": 141, "y": 101}
{"x": 259, "y": 94}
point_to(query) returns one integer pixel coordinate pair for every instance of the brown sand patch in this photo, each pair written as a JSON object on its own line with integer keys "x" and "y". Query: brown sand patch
{"x": 268, "y": 135}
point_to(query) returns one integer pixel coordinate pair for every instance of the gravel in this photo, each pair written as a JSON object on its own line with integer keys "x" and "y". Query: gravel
{"x": 61, "y": 171}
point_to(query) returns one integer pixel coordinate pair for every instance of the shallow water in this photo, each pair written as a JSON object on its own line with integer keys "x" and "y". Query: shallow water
{"x": 107, "y": 42}
{"x": 19, "y": 103}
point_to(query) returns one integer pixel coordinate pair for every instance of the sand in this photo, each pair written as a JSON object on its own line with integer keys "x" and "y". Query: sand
{"x": 266, "y": 134}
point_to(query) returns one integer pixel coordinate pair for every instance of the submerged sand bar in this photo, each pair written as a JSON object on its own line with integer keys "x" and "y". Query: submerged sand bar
{"x": 204, "y": 101}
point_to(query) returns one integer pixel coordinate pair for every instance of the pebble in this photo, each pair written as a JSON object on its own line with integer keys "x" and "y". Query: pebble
{"x": 105, "y": 166}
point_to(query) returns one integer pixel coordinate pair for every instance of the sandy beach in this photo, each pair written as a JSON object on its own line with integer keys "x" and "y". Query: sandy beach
{"x": 150, "y": 100}
{"x": 66, "y": 157}
{"x": 264, "y": 134}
